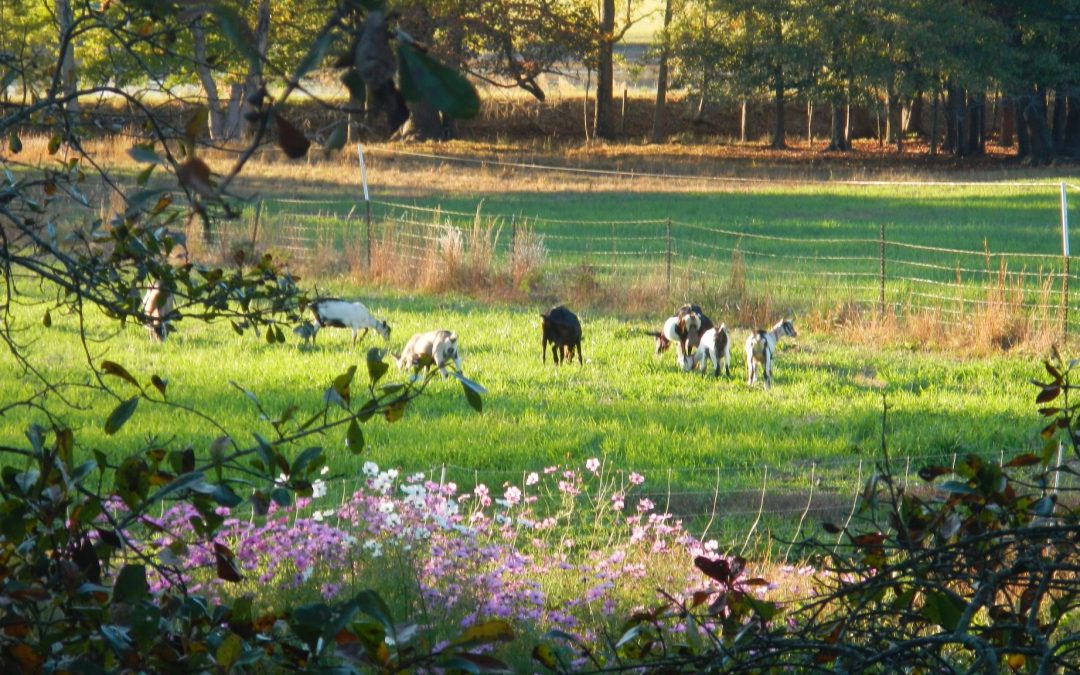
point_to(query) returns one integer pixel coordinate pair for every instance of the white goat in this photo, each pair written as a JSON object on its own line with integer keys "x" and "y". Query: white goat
{"x": 437, "y": 347}
{"x": 761, "y": 347}
{"x": 715, "y": 346}
{"x": 684, "y": 330}
{"x": 157, "y": 305}
{"x": 341, "y": 314}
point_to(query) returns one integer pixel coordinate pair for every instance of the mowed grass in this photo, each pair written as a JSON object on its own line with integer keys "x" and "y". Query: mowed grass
{"x": 703, "y": 444}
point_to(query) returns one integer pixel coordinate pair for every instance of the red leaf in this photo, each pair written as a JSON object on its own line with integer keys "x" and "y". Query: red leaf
{"x": 1049, "y": 393}
{"x": 291, "y": 139}
{"x": 716, "y": 569}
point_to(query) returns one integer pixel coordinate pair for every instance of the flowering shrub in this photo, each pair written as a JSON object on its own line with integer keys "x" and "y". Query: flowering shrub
{"x": 565, "y": 549}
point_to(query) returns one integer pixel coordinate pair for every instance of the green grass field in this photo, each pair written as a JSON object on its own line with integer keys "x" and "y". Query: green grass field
{"x": 691, "y": 436}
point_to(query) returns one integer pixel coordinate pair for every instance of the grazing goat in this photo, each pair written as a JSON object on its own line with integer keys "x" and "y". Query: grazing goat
{"x": 761, "y": 347}
{"x": 341, "y": 314}
{"x": 437, "y": 347}
{"x": 563, "y": 330}
{"x": 157, "y": 305}
{"x": 715, "y": 346}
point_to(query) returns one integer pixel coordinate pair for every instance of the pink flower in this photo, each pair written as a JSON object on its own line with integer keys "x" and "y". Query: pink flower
{"x": 512, "y": 495}
{"x": 592, "y": 464}
{"x": 645, "y": 505}
{"x": 636, "y": 478}
{"x": 532, "y": 479}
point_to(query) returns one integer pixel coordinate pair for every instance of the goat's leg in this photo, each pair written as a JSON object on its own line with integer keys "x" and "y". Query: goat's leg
{"x": 543, "y": 349}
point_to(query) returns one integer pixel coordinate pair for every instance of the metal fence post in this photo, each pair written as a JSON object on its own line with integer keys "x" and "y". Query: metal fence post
{"x": 367, "y": 208}
{"x": 667, "y": 255}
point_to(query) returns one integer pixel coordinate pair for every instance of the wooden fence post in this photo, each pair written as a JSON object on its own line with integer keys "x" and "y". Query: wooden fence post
{"x": 881, "y": 290}
{"x": 1065, "y": 278}
{"x": 667, "y": 256}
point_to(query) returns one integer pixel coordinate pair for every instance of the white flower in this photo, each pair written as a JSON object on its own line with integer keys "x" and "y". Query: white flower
{"x": 318, "y": 489}
{"x": 371, "y": 469}
{"x": 325, "y": 470}
{"x": 373, "y": 548}
{"x": 317, "y": 516}
{"x": 592, "y": 464}
{"x": 532, "y": 479}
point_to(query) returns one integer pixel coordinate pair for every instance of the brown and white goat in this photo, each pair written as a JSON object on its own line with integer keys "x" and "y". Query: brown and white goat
{"x": 761, "y": 349}
{"x": 157, "y": 306}
{"x": 715, "y": 346}
{"x": 437, "y": 347}
{"x": 685, "y": 330}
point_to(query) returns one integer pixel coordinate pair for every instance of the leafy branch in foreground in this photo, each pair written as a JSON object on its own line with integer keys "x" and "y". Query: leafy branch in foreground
{"x": 77, "y": 559}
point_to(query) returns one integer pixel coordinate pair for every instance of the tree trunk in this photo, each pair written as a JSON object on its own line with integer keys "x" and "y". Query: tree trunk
{"x": 778, "y": 139}
{"x": 1042, "y": 142}
{"x": 890, "y": 110}
{"x": 837, "y": 136}
{"x": 68, "y": 78}
{"x": 424, "y": 123}
{"x": 1072, "y": 127}
{"x": 742, "y": 123}
{"x": 605, "y": 75}
{"x": 1060, "y": 114}
{"x": 915, "y": 116}
{"x": 975, "y": 123}
{"x": 934, "y": 115}
{"x": 1008, "y": 122}
{"x": 810, "y": 125}
{"x": 254, "y": 82}
{"x": 1023, "y": 138}
{"x": 660, "y": 109}
{"x": 206, "y": 77}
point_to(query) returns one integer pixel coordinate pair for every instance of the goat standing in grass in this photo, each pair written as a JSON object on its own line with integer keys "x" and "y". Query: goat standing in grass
{"x": 563, "y": 330}
{"x": 423, "y": 350}
{"x": 761, "y": 348}
{"x": 341, "y": 314}
{"x": 685, "y": 330}
{"x": 715, "y": 346}
{"x": 157, "y": 305}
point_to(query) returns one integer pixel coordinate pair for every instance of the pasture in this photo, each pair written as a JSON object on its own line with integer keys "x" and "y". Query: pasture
{"x": 702, "y": 444}
{"x": 715, "y": 452}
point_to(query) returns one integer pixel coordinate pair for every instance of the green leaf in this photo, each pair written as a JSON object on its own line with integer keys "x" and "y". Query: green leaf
{"x": 375, "y": 364}
{"x": 144, "y": 152}
{"x": 9, "y": 77}
{"x": 343, "y": 383}
{"x": 488, "y": 632}
{"x": 473, "y": 392}
{"x": 117, "y": 370}
{"x": 143, "y": 176}
{"x": 47, "y": 319}
{"x": 195, "y": 125}
{"x": 159, "y": 384}
{"x": 54, "y": 143}
{"x": 229, "y": 651}
{"x": 355, "y": 84}
{"x": 354, "y": 438}
{"x": 131, "y": 584}
{"x": 236, "y": 31}
{"x": 474, "y": 663}
{"x": 370, "y": 603}
{"x": 336, "y": 141}
{"x": 943, "y": 608}
{"x": 315, "y": 55}
{"x": 14, "y": 142}
{"x": 120, "y": 415}
{"x": 424, "y": 78}
{"x": 300, "y": 464}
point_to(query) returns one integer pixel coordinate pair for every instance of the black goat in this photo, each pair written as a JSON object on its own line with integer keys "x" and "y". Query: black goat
{"x": 563, "y": 330}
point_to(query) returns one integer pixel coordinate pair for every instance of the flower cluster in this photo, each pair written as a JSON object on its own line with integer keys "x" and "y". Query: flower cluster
{"x": 562, "y": 549}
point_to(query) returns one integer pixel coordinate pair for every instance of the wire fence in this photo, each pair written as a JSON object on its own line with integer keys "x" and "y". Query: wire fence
{"x": 881, "y": 274}
{"x": 877, "y": 273}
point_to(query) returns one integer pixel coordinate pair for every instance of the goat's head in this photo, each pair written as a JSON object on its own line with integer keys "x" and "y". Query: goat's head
{"x": 383, "y": 329}
{"x": 788, "y": 328}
